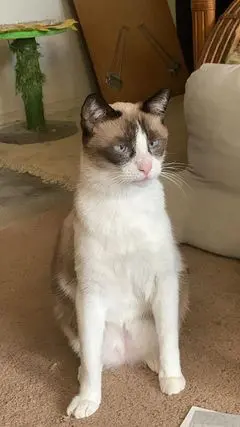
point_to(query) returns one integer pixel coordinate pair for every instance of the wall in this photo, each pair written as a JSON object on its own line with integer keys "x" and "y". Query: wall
{"x": 64, "y": 60}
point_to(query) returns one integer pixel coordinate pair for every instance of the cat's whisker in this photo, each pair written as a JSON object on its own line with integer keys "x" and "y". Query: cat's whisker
{"x": 171, "y": 179}
{"x": 116, "y": 179}
{"x": 174, "y": 166}
{"x": 176, "y": 173}
{"x": 175, "y": 181}
{"x": 176, "y": 177}
{"x": 172, "y": 169}
{"x": 184, "y": 182}
{"x": 176, "y": 163}
{"x": 168, "y": 176}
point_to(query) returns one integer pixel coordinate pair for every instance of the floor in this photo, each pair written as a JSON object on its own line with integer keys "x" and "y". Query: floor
{"x": 39, "y": 372}
{"x": 23, "y": 195}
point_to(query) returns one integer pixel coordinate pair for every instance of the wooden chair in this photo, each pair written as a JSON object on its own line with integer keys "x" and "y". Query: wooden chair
{"x": 212, "y": 41}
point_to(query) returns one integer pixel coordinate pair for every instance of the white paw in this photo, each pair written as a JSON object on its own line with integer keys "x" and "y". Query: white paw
{"x": 172, "y": 385}
{"x": 82, "y": 408}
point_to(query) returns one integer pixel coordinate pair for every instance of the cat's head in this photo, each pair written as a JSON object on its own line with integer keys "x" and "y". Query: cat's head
{"x": 126, "y": 141}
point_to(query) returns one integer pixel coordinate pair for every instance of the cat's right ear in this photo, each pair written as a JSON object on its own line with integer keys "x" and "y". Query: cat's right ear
{"x": 96, "y": 110}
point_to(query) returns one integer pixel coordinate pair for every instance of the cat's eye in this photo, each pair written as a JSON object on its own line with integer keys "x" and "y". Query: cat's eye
{"x": 154, "y": 144}
{"x": 120, "y": 148}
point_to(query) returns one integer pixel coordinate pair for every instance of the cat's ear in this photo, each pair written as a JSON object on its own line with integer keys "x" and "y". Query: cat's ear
{"x": 95, "y": 110}
{"x": 157, "y": 104}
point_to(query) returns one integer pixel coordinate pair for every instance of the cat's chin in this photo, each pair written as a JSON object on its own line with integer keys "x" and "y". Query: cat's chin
{"x": 144, "y": 181}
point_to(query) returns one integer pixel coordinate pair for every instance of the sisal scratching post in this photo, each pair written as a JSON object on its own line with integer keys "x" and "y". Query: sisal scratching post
{"x": 30, "y": 79}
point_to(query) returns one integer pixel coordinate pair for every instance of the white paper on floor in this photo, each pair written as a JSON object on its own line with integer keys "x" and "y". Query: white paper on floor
{"x": 200, "y": 417}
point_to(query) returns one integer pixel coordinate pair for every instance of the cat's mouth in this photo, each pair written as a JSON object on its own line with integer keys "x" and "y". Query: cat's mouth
{"x": 143, "y": 179}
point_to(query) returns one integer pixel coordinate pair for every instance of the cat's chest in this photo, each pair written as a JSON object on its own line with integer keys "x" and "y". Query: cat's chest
{"x": 126, "y": 224}
{"x": 130, "y": 290}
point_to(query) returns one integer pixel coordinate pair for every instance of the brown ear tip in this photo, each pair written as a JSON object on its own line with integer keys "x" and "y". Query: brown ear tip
{"x": 92, "y": 95}
{"x": 157, "y": 103}
{"x": 165, "y": 91}
{"x": 90, "y": 98}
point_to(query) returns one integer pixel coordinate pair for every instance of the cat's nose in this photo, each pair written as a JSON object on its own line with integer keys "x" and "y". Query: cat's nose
{"x": 145, "y": 165}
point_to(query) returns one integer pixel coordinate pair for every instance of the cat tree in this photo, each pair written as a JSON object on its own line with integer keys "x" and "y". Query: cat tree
{"x": 29, "y": 77}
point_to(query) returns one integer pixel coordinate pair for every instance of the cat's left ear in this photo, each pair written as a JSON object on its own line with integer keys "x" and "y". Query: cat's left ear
{"x": 157, "y": 104}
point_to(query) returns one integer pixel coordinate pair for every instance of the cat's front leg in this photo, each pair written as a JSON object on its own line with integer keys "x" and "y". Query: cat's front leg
{"x": 91, "y": 323}
{"x": 166, "y": 315}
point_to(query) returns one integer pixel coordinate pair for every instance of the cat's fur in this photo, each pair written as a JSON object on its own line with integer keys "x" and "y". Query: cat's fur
{"x": 118, "y": 273}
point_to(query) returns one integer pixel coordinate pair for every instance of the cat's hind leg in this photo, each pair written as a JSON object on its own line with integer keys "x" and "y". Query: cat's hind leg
{"x": 153, "y": 363}
{"x": 65, "y": 315}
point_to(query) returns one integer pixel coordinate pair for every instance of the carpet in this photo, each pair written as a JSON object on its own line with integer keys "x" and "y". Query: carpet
{"x": 57, "y": 162}
{"x": 54, "y": 162}
{"x": 38, "y": 370}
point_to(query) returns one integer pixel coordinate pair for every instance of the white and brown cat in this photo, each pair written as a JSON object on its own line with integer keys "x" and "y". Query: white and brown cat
{"x": 119, "y": 282}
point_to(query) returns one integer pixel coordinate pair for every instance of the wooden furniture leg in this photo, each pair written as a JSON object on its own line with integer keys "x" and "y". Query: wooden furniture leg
{"x": 203, "y": 18}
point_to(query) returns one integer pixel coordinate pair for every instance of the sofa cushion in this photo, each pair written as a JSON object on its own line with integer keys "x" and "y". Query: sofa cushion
{"x": 208, "y": 215}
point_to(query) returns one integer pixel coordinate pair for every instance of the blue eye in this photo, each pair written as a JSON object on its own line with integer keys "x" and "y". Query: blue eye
{"x": 120, "y": 148}
{"x": 153, "y": 144}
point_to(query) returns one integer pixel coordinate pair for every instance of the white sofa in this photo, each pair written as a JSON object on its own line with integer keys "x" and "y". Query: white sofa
{"x": 207, "y": 213}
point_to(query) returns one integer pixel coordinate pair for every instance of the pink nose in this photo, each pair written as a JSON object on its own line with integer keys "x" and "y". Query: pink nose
{"x": 145, "y": 165}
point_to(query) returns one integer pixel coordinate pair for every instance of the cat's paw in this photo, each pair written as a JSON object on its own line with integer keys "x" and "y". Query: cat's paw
{"x": 82, "y": 408}
{"x": 172, "y": 385}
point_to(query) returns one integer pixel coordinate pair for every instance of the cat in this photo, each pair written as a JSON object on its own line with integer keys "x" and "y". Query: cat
{"x": 119, "y": 281}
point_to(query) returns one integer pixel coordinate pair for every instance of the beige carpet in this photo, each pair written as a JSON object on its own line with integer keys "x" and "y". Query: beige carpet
{"x": 57, "y": 162}
{"x": 54, "y": 162}
{"x": 38, "y": 371}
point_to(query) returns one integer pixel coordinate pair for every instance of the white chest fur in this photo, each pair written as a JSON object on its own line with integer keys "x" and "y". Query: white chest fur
{"x": 121, "y": 243}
